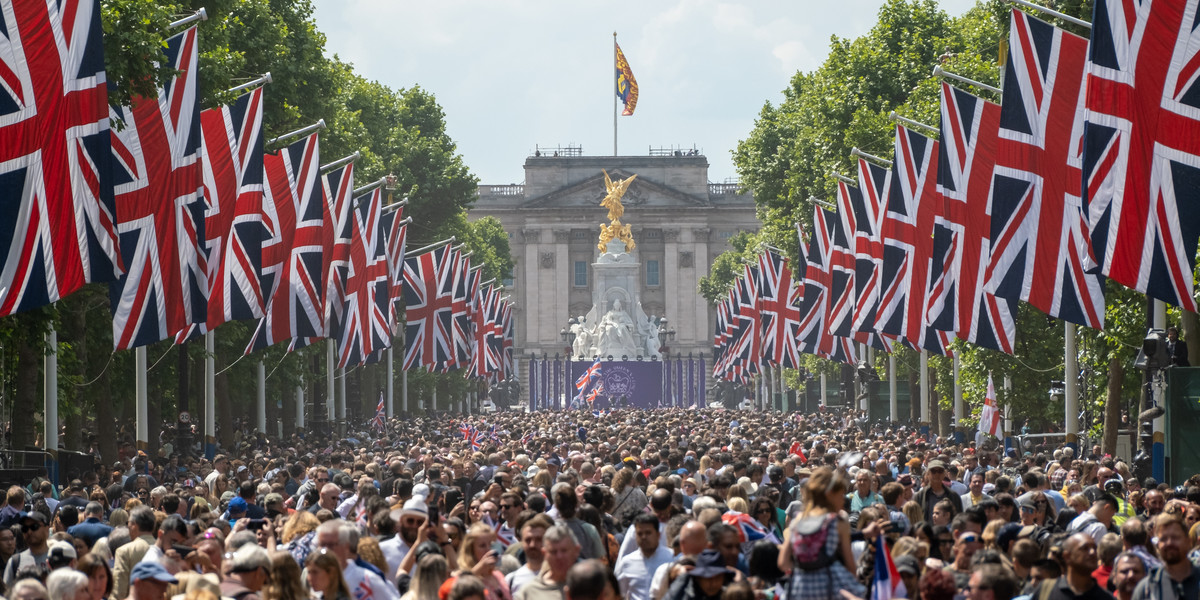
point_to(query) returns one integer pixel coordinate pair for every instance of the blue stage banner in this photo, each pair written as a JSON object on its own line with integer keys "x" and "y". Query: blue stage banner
{"x": 627, "y": 383}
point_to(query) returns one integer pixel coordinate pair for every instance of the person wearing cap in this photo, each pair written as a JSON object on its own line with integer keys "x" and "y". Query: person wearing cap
{"x": 61, "y": 554}
{"x": 910, "y": 572}
{"x": 75, "y": 496}
{"x": 705, "y": 581}
{"x": 35, "y": 530}
{"x": 249, "y": 571}
{"x": 935, "y": 490}
{"x": 409, "y": 521}
{"x": 1125, "y": 510}
{"x": 150, "y": 580}
{"x": 1097, "y": 519}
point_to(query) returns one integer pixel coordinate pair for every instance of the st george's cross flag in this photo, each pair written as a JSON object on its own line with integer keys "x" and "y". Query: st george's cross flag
{"x": 989, "y": 418}
{"x": 293, "y": 260}
{"x": 160, "y": 207}
{"x": 1141, "y": 145}
{"x": 232, "y": 164}
{"x": 958, "y": 301}
{"x": 1040, "y": 249}
{"x": 57, "y": 214}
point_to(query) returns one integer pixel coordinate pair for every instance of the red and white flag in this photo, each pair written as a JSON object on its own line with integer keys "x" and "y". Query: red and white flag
{"x": 989, "y": 419}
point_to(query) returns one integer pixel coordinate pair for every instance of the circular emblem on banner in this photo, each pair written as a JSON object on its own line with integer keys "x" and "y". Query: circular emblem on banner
{"x": 618, "y": 381}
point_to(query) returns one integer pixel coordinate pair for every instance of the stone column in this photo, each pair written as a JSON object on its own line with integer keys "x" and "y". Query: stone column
{"x": 562, "y": 273}
{"x": 700, "y": 258}
{"x": 669, "y": 277}
{"x": 530, "y": 287}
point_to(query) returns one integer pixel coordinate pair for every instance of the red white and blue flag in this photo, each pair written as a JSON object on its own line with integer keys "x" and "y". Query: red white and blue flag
{"x": 232, "y": 163}
{"x": 397, "y": 235}
{"x": 461, "y": 301}
{"x": 597, "y": 391}
{"x": 913, "y": 206}
{"x": 428, "y": 298}
{"x": 380, "y": 420}
{"x": 958, "y": 301}
{"x": 887, "y": 583}
{"x": 593, "y": 371}
{"x": 293, "y": 260}
{"x": 1141, "y": 155}
{"x": 839, "y": 310}
{"x": 160, "y": 207}
{"x": 363, "y": 327}
{"x": 1040, "y": 248}
{"x": 777, "y": 310}
{"x": 57, "y": 215}
{"x": 748, "y": 528}
{"x": 865, "y": 218}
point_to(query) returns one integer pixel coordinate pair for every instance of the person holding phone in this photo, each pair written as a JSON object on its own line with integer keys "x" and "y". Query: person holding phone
{"x": 477, "y": 556}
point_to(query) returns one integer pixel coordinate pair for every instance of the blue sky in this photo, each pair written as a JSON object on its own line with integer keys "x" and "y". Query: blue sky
{"x": 511, "y": 75}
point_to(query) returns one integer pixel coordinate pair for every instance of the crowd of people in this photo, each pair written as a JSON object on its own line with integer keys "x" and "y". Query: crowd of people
{"x": 645, "y": 504}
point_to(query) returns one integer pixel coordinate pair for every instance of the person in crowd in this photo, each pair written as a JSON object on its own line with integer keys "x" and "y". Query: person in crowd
{"x": 816, "y": 549}
{"x": 561, "y": 551}
{"x": 635, "y": 570}
{"x": 323, "y": 574}
{"x": 1177, "y": 577}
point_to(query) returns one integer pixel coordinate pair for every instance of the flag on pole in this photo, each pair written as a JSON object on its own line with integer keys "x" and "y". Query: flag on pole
{"x": 887, "y": 583}
{"x": 379, "y": 422}
{"x": 581, "y": 384}
{"x": 627, "y": 89}
{"x": 989, "y": 419}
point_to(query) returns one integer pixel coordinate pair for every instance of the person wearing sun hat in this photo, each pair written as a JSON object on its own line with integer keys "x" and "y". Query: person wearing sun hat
{"x": 149, "y": 581}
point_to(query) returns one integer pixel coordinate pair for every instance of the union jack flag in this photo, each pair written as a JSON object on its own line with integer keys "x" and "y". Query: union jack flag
{"x": 364, "y": 328}
{"x": 913, "y": 206}
{"x": 461, "y": 302}
{"x": 962, "y": 248}
{"x": 525, "y": 439}
{"x": 597, "y": 390}
{"x": 863, "y": 221}
{"x": 485, "y": 356}
{"x": 232, "y": 146}
{"x": 839, "y": 315}
{"x": 581, "y": 384}
{"x": 818, "y": 280}
{"x": 428, "y": 297}
{"x": 56, "y": 208}
{"x": 776, "y": 310}
{"x": 337, "y": 191}
{"x": 475, "y": 437}
{"x": 294, "y": 216}
{"x": 466, "y": 429}
{"x": 748, "y": 528}
{"x": 160, "y": 208}
{"x": 1039, "y": 234}
{"x": 380, "y": 420}
{"x": 1141, "y": 154}
{"x": 397, "y": 235}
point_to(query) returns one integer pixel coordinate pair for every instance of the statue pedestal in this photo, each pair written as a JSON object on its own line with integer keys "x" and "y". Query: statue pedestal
{"x": 616, "y": 325}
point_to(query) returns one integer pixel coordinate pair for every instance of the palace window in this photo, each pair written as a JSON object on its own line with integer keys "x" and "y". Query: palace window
{"x": 652, "y": 273}
{"x": 581, "y": 274}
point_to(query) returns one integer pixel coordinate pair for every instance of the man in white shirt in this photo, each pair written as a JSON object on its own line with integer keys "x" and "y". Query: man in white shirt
{"x": 341, "y": 538}
{"x": 635, "y": 570}
{"x": 532, "y": 533}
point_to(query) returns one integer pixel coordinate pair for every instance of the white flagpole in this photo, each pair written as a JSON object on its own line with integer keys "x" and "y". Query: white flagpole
{"x": 50, "y": 421}
{"x": 210, "y": 396}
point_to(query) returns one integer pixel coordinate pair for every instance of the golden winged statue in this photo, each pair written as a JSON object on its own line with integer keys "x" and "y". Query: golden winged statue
{"x": 612, "y": 201}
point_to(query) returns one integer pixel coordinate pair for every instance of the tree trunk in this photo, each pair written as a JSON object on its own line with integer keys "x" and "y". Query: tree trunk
{"x": 1112, "y": 405}
{"x": 26, "y": 404}
{"x": 1190, "y": 330}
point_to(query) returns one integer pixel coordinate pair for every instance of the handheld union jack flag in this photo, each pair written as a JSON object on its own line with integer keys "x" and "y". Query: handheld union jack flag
{"x": 294, "y": 215}
{"x": 748, "y": 528}
{"x": 525, "y": 439}
{"x": 466, "y": 429}
{"x": 57, "y": 215}
{"x": 428, "y": 297}
{"x": 1141, "y": 156}
{"x": 593, "y": 371}
{"x": 160, "y": 208}
{"x": 1039, "y": 234}
{"x": 962, "y": 248}
{"x": 380, "y": 420}
{"x": 913, "y": 206}
{"x": 597, "y": 390}
{"x": 232, "y": 163}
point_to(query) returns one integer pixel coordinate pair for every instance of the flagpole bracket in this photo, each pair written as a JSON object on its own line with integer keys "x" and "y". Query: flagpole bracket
{"x": 938, "y": 71}
{"x": 895, "y": 118}
{"x": 871, "y": 157}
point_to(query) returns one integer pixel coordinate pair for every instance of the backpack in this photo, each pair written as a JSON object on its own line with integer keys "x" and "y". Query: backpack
{"x": 808, "y": 543}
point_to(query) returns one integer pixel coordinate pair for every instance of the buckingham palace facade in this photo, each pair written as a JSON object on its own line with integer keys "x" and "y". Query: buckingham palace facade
{"x": 680, "y": 222}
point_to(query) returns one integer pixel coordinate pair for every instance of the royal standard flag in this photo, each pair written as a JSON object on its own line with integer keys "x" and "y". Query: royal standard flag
{"x": 626, "y": 84}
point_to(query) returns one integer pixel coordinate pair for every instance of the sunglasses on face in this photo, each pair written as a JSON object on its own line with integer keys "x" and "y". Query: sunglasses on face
{"x": 969, "y": 538}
